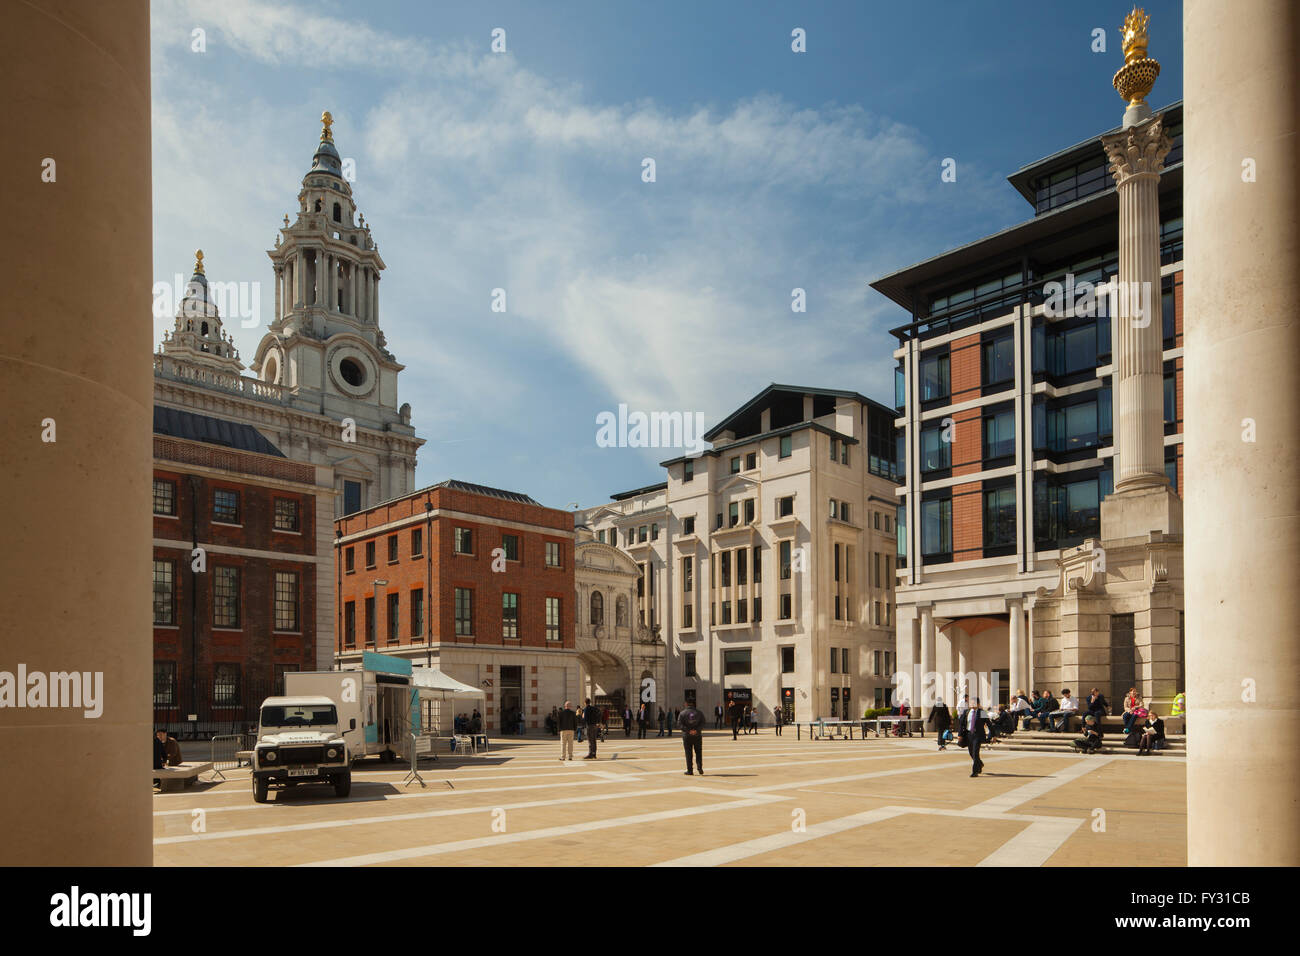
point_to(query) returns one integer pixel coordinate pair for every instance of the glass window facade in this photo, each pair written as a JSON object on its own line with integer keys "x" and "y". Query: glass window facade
{"x": 936, "y": 380}
{"x": 1000, "y": 517}
{"x": 936, "y": 527}
{"x": 1000, "y": 434}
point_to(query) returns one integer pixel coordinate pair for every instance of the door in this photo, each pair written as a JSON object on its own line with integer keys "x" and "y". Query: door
{"x": 512, "y": 698}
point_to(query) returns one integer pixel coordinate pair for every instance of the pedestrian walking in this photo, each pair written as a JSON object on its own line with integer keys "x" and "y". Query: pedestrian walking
{"x": 567, "y": 721}
{"x": 627, "y": 721}
{"x": 778, "y": 719}
{"x": 591, "y": 717}
{"x": 669, "y": 718}
{"x": 717, "y": 717}
{"x": 734, "y": 716}
{"x": 942, "y": 720}
{"x": 642, "y": 718}
{"x": 661, "y": 723}
{"x": 977, "y": 729}
{"x": 691, "y": 722}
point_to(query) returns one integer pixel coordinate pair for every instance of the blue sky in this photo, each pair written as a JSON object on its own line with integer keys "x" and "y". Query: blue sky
{"x": 522, "y": 170}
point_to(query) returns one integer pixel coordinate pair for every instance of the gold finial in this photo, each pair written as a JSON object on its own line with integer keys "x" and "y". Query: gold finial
{"x": 1134, "y": 35}
{"x": 326, "y": 122}
{"x": 198, "y": 262}
{"x": 1134, "y": 79}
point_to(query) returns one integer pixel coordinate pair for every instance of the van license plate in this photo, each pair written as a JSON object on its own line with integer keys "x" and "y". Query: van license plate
{"x": 306, "y": 772}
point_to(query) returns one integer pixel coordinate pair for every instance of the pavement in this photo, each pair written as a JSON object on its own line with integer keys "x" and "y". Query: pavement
{"x": 764, "y": 801}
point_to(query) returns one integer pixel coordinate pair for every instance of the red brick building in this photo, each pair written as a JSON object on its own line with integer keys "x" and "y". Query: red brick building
{"x": 230, "y": 619}
{"x": 474, "y": 580}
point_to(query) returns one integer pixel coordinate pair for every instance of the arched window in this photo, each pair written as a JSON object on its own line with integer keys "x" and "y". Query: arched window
{"x": 338, "y": 213}
{"x": 620, "y": 611}
{"x": 203, "y": 330}
{"x": 317, "y": 205}
{"x": 597, "y": 608}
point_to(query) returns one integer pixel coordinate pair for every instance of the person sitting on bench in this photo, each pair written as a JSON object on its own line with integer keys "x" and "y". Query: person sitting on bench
{"x": 1061, "y": 716}
{"x": 1090, "y": 742}
{"x": 1153, "y": 735}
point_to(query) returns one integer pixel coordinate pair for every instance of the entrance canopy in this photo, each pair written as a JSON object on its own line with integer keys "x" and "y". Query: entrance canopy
{"x": 431, "y": 679}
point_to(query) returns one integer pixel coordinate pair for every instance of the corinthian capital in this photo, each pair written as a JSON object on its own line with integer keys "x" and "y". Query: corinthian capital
{"x": 1137, "y": 149}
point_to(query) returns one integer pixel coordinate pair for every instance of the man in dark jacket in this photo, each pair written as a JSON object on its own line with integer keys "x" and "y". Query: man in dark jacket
{"x": 591, "y": 717}
{"x": 717, "y": 717}
{"x": 942, "y": 720}
{"x": 568, "y": 723}
{"x": 734, "y": 717}
{"x": 977, "y": 731}
{"x": 691, "y": 722}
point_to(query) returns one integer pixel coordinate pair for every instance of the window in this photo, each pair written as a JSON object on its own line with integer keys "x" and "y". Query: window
{"x": 392, "y": 548}
{"x": 934, "y": 377}
{"x": 351, "y": 497}
{"x": 787, "y": 446}
{"x": 749, "y": 511}
{"x": 552, "y": 619}
{"x": 724, "y": 568}
{"x": 510, "y": 615}
{"x": 1171, "y": 472}
{"x": 936, "y": 527}
{"x": 643, "y": 533}
{"x": 742, "y": 557}
{"x": 997, "y": 361}
{"x": 1168, "y": 317}
{"x": 733, "y": 514}
{"x": 785, "y": 560}
{"x": 726, "y": 612}
{"x": 417, "y": 612}
{"x": 225, "y": 596}
{"x": 370, "y": 621}
{"x": 844, "y": 511}
{"x": 758, "y": 610}
{"x": 464, "y": 541}
{"x": 718, "y": 522}
{"x": 164, "y": 592}
{"x": 844, "y": 453}
{"x": 786, "y": 610}
{"x": 999, "y": 434}
{"x": 225, "y": 684}
{"x": 1171, "y": 398}
{"x": 350, "y": 623}
{"x": 164, "y": 497}
{"x": 349, "y": 560}
{"x": 785, "y": 506}
{"x": 688, "y": 662}
{"x": 875, "y": 520}
{"x": 835, "y": 660}
{"x": 900, "y": 527}
{"x": 225, "y": 506}
{"x": 286, "y": 600}
{"x": 510, "y": 544}
{"x": 688, "y": 615}
{"x": 936, "y": 452}
{"x": 835, "y": 449}
{"x": 597, "y": 608}
{"x": 737, "y": 662}
{"x": 370, "y": 554}
{"x": 553, "y": 554}
{"x": 286, "y": 514}
{"x": 688, "y": 470}
{"x": 735, "y": 464}
{"x": 751, "y": 461}
{"x": 164, "y": 683}
{"x": 787, "y": 660}
{"x": 654, "y": 532}
{"x": 1000, "y": 517}
{"x": 688, "y": 575}
{"x": 688, "y": 525}
{"x": 758, "y": 566}
{"x": 600, "y": 536}
{"x": 464, "y": 611}
{"x": 835, "y": 508}
{"x": 417, "y": 542}
{"x": 742, "y": 612}
{"x": 394, "y": 616}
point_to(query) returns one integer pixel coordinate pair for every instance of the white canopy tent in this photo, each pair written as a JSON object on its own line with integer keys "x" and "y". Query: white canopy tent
{"x": 431, "y": 683}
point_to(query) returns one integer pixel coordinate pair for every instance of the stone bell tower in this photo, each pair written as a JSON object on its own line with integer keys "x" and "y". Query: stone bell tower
{"x": 198, "y": 337}
{"x": 324, "y": 343}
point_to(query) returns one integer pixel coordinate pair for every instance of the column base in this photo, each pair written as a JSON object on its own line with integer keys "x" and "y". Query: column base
{"x": 1136, "y": 512}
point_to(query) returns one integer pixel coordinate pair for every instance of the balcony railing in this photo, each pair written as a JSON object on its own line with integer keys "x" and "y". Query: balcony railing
{"x": 165, "y": 366}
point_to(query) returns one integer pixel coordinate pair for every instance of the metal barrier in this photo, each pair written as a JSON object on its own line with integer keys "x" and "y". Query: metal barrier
{"x": 225, "y": 752}
{"x": 417, "y": 744}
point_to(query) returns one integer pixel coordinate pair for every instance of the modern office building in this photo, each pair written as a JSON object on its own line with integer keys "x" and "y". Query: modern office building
{"x": 1008, "y": 418}
{"x": 475, "y": 581}
{"x": 766, "y": 562}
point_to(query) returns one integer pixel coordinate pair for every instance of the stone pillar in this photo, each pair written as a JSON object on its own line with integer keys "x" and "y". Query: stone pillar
{"x": 909, "y": 640}
{"x": 1137, "y": 154}
{"x": 1016, "y": 639}
{"x": 374, "y": 299}
{"x": 279, "y": 286}
{"x": 77, "y": 446}
{"x": 944, "y": 665}
{"x": 963, "y": 664}
{"x": 352, "y": 289}
{"x": 925, "y": 691}
{"x": 1242, "y": 398}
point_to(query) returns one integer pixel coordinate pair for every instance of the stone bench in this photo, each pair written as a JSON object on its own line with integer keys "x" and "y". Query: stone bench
{"x": 175, "y": 779}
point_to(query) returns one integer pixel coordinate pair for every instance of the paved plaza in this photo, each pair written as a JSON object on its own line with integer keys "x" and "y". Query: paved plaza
{"x": 765, "y": 800}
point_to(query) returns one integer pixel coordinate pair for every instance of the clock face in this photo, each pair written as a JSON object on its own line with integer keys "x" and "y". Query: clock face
{"x": 352, "y": 371}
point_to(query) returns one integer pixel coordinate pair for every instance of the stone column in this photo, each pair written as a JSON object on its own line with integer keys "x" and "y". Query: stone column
{"x": 925, "y": 690}
{"x": 77, "y": 442}
{"x": 1137, "y": 154}
{"x": 1016, "y": 639}
{"x": 279, "y": 286}
{"x": 374, "y": 299}
{"x": 352, "y": 289}
{"x": 963, "y": 663}
{"x": 909, "y": 639}
{"x": 300, "y": 275}
{"x": 1242, "y": 397}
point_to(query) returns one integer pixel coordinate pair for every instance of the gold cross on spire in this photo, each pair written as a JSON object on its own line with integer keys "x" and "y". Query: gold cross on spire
{"x": 326, "y": 122}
